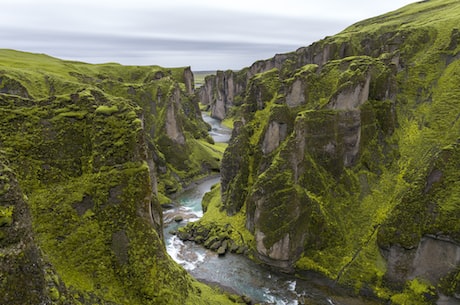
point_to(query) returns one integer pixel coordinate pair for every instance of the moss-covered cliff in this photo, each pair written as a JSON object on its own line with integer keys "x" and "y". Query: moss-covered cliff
{"x": 344, "y": 158}
{"x": 88, "y": 153}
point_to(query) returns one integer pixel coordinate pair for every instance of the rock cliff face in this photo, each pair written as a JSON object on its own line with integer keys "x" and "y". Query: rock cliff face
{"x": 88, "y": 153}
{"x": 219, "y": 91}
{"x": 26, "y": 279}
{"x": 344, "y": 156}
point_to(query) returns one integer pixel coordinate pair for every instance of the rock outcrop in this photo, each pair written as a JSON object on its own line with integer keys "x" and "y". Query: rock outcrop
{"x": 189, "y": 80}
{"x": 432, "y": 259}
{"x": 219, "y": 91}
{"x": 172, "y": 126}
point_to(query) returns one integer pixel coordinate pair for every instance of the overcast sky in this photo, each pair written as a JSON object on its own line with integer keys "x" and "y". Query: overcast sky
{"x": 203, "y": 34}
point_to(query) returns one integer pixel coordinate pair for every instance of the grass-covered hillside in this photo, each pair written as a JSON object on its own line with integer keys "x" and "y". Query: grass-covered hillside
{"x": 345, "y": 156}
{"x": 88, "y": 153}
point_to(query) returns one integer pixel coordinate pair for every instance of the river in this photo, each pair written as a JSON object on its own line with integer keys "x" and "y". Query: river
{"x": 237, "y": 272}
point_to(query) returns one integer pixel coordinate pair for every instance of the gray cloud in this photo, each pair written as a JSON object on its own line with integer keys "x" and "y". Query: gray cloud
{"x": 143, "y": 33}
{"x": 203, "y": 51}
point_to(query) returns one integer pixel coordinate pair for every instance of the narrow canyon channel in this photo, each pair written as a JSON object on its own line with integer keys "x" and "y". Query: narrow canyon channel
{"x": 232, "y": 271}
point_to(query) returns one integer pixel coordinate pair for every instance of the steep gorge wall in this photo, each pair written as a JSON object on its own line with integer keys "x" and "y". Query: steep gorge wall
{"x": 344, "y": 158}
{"x": 89, "y": 145}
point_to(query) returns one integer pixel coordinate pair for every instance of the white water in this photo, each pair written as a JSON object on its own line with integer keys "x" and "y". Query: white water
{"x": 181, "y": 254}
{"x": 218, "y": 132}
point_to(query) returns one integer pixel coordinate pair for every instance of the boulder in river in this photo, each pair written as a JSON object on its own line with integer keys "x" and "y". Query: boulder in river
{"x": 223, "y": 248}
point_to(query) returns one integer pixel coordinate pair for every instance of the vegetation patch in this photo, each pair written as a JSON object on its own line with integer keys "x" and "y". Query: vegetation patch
{"x": 106, "y": 110}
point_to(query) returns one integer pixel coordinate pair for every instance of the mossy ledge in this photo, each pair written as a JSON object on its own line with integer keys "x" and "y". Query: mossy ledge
{"x": 344, "y": 156}
{"x": 88, "y": 154}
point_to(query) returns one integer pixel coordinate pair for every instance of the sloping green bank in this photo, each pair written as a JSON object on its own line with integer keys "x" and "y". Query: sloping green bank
{"x": 94, "y": 151}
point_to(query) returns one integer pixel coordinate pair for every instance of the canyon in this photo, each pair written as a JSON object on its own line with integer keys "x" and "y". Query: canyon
{"x": 343, "y": 163}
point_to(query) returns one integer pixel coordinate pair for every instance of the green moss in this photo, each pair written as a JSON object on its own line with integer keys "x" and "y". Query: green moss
{"x": 107, "y": 110}
{"x": 416, "y": 292}
{"x": 74, "y": 114}
{"x": 6, "y": 215}
{"x": 4, "y": 188}
{"x": 228, "y": 122}
{"x": 212, "y": 295}
{"x": 216, "y": 217}
{"x": 306, "y": 263}
{"x": 54, "y": 294}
